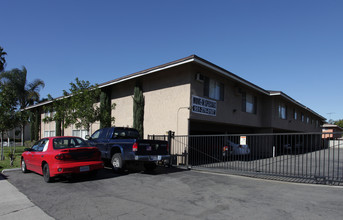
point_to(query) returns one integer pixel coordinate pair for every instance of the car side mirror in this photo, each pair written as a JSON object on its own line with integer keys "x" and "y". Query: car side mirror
{"x": 27, "y": 149}
{"x": 88, "y": 137}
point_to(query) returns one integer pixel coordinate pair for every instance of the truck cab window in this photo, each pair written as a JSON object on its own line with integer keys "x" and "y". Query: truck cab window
{"x": 96, "y": 135}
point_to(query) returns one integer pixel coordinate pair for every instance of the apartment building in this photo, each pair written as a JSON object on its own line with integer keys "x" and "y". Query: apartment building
{"x": 194, "y": 96}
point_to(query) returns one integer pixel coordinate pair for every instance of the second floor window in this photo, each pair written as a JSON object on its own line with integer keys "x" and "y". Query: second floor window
{"x": 249, "y": 103}
{"x": 213, "y": 89}
{"x": 282, "y": 111}
{"x": 295, "y": 114}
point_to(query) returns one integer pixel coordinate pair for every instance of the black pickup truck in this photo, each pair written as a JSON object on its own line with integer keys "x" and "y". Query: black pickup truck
{"x": 123, "y": 147}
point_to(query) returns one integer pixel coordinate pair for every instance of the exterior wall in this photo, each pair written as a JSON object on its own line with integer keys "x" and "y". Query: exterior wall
{"x": 166, "y": 94}
{"x": 290, "y": 123}
{"x": 122, "y": 97}
{"x": 233, "y": 119}
{"x": 229, "y": 111}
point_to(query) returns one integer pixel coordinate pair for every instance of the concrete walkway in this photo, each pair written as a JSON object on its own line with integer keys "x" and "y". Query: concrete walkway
{"x": 15, "y": 205}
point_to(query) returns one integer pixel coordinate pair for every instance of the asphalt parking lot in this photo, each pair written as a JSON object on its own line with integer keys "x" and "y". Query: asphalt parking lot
{"x": 172, "y": 193}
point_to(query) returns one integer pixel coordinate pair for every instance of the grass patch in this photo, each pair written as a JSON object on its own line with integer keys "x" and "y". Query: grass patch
{"x": 5, "y": 164}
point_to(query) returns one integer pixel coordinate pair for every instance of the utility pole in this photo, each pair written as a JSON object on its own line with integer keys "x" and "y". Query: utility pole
{"x": 330, "y": 113}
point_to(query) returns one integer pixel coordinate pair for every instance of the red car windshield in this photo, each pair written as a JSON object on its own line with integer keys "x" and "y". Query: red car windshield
{"x": 69, "y": 142}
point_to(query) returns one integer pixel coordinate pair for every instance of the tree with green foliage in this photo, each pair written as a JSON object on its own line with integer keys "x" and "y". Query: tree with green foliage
{"x": 8, "y": 116}
{"x": 2, "y": 59}
{"x": 78, "y": 106}
{"x": 339, "y": 123}
{"x": 138, "y": 110}
{"x": 35, "y": 119}
{"x": 106, "y": 108}
{"x": 82, "y": 108}
{"x": 27, "y": 93}
{"x": 62, "y": 109}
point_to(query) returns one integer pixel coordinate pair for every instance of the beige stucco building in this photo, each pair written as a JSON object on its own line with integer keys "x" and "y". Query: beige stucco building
{"x": 193, "y": 96}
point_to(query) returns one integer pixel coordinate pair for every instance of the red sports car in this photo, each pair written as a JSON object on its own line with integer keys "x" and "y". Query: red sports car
{"x": 54, "y": 156}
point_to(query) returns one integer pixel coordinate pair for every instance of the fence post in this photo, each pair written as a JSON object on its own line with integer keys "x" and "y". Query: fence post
{"x": 170, "y": 136}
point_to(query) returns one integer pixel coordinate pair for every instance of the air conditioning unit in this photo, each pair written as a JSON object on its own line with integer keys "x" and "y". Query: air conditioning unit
{"x": 199, "y": 77}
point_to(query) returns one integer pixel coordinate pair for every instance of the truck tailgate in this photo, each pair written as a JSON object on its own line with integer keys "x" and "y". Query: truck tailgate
{"x": 152, "y": 147}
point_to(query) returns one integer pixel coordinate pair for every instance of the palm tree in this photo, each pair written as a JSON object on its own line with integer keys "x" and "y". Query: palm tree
{"x": 2, "y": 59}
{"x": 27, "y": 93}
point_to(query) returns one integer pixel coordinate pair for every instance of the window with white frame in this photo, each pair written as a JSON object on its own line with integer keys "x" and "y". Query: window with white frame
{"x": 282, "y": 111}
{"x": 49, "y": 133}
{"x": 249, "y": 103}
{"x": 80, "y": 133}
{"x": 213, "y": 89}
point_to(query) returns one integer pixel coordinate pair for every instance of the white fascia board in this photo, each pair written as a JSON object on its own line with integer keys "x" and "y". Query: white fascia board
{"x": 148, "y": 72}
{"x": 275, "y": 93}
{"x": 231, "y": 76}
{"x": 37, "y": 105}
{"x": 46, "y": 102}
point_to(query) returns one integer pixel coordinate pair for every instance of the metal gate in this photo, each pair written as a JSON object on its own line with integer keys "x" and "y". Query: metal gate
{"x": 298, "y": 157}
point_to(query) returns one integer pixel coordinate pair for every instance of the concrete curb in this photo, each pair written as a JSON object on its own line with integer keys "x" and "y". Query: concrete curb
{"x": 7, "y": 170}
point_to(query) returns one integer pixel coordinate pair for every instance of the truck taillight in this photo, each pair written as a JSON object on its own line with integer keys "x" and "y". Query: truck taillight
{"x": 135, "y": 147}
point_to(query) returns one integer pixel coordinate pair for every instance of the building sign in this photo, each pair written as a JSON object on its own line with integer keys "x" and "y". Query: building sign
{"x": 204, "y": 106}
{"x": 243, "y": 140}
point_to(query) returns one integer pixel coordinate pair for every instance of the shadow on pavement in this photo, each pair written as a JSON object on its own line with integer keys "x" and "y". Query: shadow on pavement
{"x": 2, "y": 177}
{"x": 108, "y": 173}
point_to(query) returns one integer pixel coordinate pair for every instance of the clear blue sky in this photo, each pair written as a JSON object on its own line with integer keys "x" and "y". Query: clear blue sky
{"x": 292, "y": 46}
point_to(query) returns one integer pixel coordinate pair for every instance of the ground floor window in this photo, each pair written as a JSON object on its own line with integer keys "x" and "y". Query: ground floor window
{"x": 80, "y": 133}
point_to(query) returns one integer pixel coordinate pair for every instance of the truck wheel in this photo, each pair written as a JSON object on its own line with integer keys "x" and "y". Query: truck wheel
{"x": 149, "y": 167}
{"x": 117, "y": 163}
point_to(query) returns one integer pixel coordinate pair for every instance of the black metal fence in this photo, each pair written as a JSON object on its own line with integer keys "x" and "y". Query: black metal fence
{"x": 308, "y": 157}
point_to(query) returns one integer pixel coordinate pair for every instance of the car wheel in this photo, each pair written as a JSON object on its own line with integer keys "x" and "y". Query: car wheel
{"x": 23, "y": 166}
{"x": 149, "y": 167}
{"x": 46, "y": 173}
{"x": 117, "y": 163}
